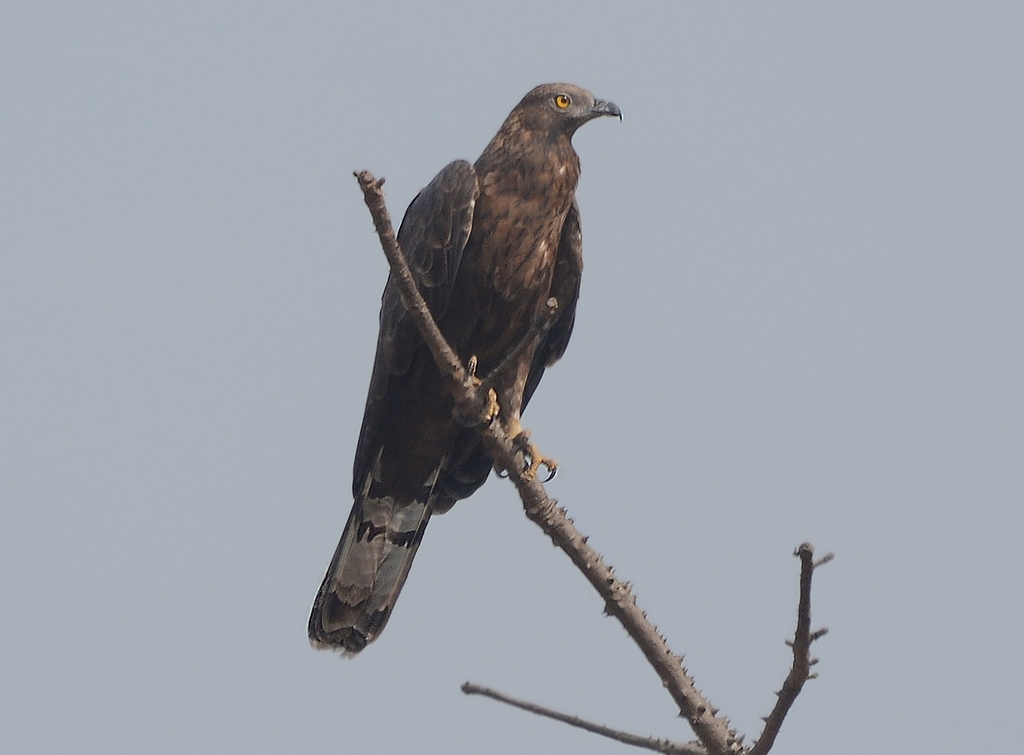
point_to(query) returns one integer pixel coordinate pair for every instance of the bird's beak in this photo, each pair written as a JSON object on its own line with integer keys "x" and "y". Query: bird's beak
{"x": 603, "y": 107}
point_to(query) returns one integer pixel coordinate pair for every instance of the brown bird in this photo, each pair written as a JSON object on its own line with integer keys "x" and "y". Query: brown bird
{"x": 488, "y": 245}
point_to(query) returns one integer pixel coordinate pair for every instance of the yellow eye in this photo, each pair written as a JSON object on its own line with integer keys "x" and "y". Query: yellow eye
{"x": 563, "y": 101}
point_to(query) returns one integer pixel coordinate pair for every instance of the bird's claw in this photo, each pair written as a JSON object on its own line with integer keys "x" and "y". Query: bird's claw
{"x": 536, "y": 462}
{"x": 480, "y": 411}
{"x": 533, "y": 459}
{"x": 491, "y": 409}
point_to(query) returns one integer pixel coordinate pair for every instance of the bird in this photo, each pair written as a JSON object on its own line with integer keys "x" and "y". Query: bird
{"x": 488, "y": 244}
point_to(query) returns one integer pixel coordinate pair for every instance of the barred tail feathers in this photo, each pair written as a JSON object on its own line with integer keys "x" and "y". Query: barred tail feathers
{"x": 369, "y": 567}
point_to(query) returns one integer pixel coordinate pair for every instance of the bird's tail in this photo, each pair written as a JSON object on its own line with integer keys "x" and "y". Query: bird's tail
{"x": 369, "y": 567}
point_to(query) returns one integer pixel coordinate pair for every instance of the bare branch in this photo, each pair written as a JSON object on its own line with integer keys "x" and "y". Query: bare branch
{"x": 801, "y": 644}
{"x": 713, "y": 731}
{"x": 650, "y": 743}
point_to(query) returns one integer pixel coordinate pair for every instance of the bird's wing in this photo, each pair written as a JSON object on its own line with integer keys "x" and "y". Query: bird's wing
{"x": 433, "y": 236}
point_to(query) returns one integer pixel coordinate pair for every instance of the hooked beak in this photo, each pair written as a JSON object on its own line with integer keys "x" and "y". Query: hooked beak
{"x": 603, "y": 107}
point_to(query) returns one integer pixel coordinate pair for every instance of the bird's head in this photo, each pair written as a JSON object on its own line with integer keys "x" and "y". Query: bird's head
{"x": 560, "y": 109}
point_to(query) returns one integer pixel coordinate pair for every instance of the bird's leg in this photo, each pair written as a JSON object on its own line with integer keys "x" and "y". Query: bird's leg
{"x": 540, "y": 325}
{"x": 480, "y": 410}
{"x": 532, "y": 457}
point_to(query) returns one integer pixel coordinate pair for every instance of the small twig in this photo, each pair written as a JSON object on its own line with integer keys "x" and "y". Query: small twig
{"x": 658, "y": 745}
{"x": 801, "y": 644}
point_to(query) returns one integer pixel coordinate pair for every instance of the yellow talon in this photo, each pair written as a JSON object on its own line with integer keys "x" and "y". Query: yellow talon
{"x": 491, "y": 409}
{"x": 477, "y": 411}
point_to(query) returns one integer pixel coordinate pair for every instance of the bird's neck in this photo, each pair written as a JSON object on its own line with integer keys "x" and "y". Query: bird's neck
{"x": 530, "y": 162}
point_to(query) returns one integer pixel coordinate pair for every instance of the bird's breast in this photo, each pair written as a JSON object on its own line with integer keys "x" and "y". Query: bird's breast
{"x": 516, "y": 231}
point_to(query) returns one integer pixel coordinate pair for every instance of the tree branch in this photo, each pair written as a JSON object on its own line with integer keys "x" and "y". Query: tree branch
{"x": 445, "y": 357}
{"x": 650, "y": 743}
{"x": 713, "y": 731}
{"x": 801, "y": 644}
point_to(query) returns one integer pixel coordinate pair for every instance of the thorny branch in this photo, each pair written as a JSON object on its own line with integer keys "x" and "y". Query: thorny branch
{"x": 712, "y": 730}
{"x": 799, "y": 673}
{"x": 445, "y": 357}
{"x": 801, "y": 644}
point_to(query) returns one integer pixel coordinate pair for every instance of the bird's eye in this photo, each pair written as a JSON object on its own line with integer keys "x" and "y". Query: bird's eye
{"x": 562, "y": 101}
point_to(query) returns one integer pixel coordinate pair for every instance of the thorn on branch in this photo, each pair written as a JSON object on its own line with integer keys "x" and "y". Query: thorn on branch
{"x": 824, "y": 560}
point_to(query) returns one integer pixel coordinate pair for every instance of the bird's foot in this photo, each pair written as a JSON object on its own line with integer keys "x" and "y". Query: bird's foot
{"x": 491, "y": 408}
{"x": 532, "y": 457}
{"x": 481, "y": 410}
{"x": 537, "y": 460}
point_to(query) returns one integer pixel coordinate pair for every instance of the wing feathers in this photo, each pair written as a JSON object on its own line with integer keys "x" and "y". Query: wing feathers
{"x": 433, "y": 236}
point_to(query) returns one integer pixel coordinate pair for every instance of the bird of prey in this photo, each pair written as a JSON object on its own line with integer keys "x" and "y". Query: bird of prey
{"x": 488, "y": 244}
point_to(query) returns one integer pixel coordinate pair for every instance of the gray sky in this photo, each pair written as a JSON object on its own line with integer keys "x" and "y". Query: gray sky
{"x": 801, "y": 319}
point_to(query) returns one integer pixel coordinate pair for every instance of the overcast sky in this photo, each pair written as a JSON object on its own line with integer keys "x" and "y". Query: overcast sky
{"x": 802, "y": 318}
